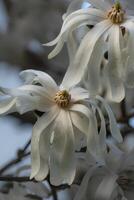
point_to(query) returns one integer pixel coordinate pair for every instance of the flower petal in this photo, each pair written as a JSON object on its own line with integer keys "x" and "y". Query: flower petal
{"x": 93, "y": 145}
{"x": 102, "y": 4}
{"x": 130, "y": 66}
{"x": 106, "y": 187}
{"x": 38, "y": 129}
{"x": 62, "y": 160}
{"x": 83, "y": 57}
{"x": 82, "y": 109}
{"x": 31, "y": 76}
{"x": 78, "y": 94}
{"x": 72, "y": 46}
{"x": 82, "y": 191}
{"x": 7, "y": 106}
{"x": 80, "y": 121}
{"x": 116, "y": 91}
{"x": 44, "y": 147}
{"x": 113, "y": 125}
{"x": 74, "y": 20}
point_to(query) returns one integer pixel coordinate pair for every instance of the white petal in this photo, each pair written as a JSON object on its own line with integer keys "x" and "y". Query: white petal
{"x": 130, "y": 64}
{"x": 113, "y": 125}
{"x": 38, "y": 129}
{"x": 115, "y": 66}
{"x": 44, "y": 79}
{"x": 93, "y": 80}
{"x": 102, "y": 132}
{"x": 82, "y": 191}
{"x": 62, "y": 160}
{"x": 106, "y": 187}
{"x": 7, "y": 106}
{"x": 93, "y": 145}
{"x": 82, "y": 109}
{"x": 78, "y": 94}
{"x": 73, "y": 21}
{"x": 72, "y": 45}
{"x": 102, "y": 4}
{"x": 88, "y": 46}
{"x": 80, "y": 121}
{"x": 29, "y": 90}
{"x": 44, "y": 148}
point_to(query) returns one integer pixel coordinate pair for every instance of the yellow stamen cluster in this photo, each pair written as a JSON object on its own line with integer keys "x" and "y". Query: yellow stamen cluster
{"x": 116, "y": 14}
{"x": 62, "y": 98}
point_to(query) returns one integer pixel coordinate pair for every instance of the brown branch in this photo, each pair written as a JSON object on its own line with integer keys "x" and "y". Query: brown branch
{"x": 21, "y": 154}
{"x": 27, "y": 179}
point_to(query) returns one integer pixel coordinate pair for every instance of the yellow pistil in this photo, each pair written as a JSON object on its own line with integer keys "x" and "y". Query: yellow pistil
{"x": 62, "y": 98}
{"x": 116, "y": 14}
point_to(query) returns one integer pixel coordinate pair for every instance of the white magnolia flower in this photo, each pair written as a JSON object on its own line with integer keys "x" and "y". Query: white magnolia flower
{"x": 113, "y": 32}
{"x": 70, "y": 116}
{"x": 53, "y": 137}
{"x": 112, "y": 181}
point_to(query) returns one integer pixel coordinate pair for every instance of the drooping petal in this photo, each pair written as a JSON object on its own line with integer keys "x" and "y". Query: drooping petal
{"x": 72, "y": 46}
{"x": 80, "y": 121}
{"x": 38, "y": 130}
{"x": 84, "y": 54}
{"x": 93, "y": 144}
{"x": 31, "y": 76}
{"x": 130, "y": 64}
{"x": 7, "y": 106}
{"x": 116, "y": 91}
{"x": 106, "y": 187}
{"x": 102, "y": 4}
{"x": 44, "y": 148}
{"x": 73, "y": 21}
{"x": 37, "y": 92}
{"x": 76, "y": 5}
{"x": 62, "y": 160}
{"x": 102, "y": 132}
{"x": 82, "y": 109}
{"x": 113, "y": 125}
{"x": 78, "y": 94}
{"x": 82, "y": 191}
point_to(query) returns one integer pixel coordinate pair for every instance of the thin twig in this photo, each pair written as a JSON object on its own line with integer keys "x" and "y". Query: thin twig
{"x": 21, "y": 154}
{"x": 13, "y": 162}
{"x": 27, "y": 179}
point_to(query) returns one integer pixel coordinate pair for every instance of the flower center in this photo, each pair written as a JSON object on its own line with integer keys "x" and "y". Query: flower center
{"x": 62, "y": 98}
{"x": 116, "y": 14}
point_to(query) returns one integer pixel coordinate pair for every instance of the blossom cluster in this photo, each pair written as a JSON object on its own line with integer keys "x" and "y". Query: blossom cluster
{"x": 99, "y": 35}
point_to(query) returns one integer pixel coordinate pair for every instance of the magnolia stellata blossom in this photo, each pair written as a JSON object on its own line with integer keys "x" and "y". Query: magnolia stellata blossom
{"x": 110, "y": 181}
{"x": 53, "y": 139}
{"x": 113, "y": 32}
{"x": 55, "y": 134}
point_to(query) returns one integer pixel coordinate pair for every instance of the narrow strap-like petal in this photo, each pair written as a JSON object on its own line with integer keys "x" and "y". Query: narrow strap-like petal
{"x": 129, "y": 75}
{"x": 88, "y": 46}
{"x": 31, "y": 76}
{"x": 80, "y": 121}
{"x": 62, "y": 160}
{"x": 106, "y": 187}
{"x": 38, "y": 129}
{"x": 44, "y": 148}
{"x": 78, "y": 94}
{"x": 82, "y": 109}
{"x": 113, "y": 125}
{"x": 116, "y": 91}
{"x": 102, "y": 4}
{"x": 7, "y": 106}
